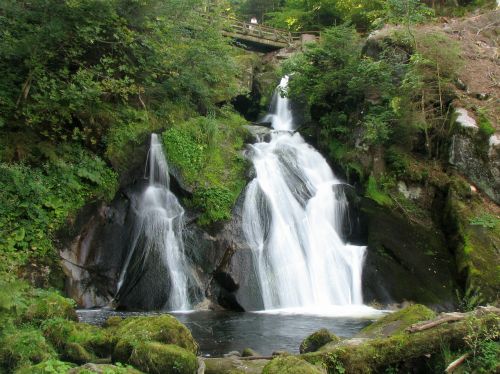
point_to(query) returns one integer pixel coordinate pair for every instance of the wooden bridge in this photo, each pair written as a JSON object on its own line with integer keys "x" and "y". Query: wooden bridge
{"x": 261, "y": 36}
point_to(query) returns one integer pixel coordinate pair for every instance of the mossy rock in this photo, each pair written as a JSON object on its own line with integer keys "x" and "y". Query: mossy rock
{"x": 103, "y": 369}
{"x": 154, "y": 357}
{"x": 290, "y": 365}
{"x": 163, "y": 329}
{"x": 78, "y": 342}
{"x": 52, "y": 366}
{"x": 248, "y": 352}
{"x": 23, "y": 347}
{"x": 396, "y": 323}
{"x": 316, "y": 340}
{"x": 113, "y": 321}
{"x": 49, "y": 304}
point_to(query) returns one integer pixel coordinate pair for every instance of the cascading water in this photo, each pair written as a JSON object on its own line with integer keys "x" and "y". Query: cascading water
{"x": 292, "y": 216}
{"x": 157, "y": 237}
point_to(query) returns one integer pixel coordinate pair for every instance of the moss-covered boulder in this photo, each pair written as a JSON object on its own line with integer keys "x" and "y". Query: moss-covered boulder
{"x": 249, "y": 352}
{"x": 163, "y": 329}
{"x": 290, "y": 365}
{"x": 23, "y": 346}
{"x": 78, "y": 342}
{"x": 158, "y": 358}
{"x": 397, "y": 322}
{"x": 316, "y": 340}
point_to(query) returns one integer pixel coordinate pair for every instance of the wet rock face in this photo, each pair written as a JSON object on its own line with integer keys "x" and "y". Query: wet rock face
{"x": 406, "y": 261}
{"x": 96, "y": 246}
{"x": 92, "y": 259}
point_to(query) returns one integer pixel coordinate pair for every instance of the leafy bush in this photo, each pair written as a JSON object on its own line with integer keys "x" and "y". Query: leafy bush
{"x": 36, "y": 201}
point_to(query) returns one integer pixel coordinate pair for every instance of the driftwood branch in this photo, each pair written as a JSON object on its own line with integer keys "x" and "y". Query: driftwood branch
{"x": 451, "y": 317}
{"x": 455, "y": 364}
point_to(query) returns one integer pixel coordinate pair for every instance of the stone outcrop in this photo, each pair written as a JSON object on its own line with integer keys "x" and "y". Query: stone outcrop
{"x": 476, "y": 154}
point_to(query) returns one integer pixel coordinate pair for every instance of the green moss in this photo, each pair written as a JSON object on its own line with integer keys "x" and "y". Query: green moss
{"x": 52, "y": 366}
{"x": 290, "y": 365}
{"x": 163, "y": 329}
{"x": 396, "y": 323}
{"x": 49, "y": 304}
{"x": 206, "y": 152}
{"x": 23, "y": 346}
{"x": 153, "y": 357}
{"x": 374, "y": 192}
{"x": 248, "y": 352}
{"x": 316, "y": 340}
{"x": 66, "y": 336}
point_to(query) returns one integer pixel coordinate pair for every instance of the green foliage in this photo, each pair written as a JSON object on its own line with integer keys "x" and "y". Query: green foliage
{"x": 206, "y": 151}
{"x": 67, "y": 67}
{"x": 36, "y": 201}
{"x": 470, "y": 299}
{"x": 338, "y": 84}
{"x": 407, "y": 11}
{"x": 483, "y": 344}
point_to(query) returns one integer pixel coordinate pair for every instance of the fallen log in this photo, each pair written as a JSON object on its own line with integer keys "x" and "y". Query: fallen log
{"x": 452, "y": 317}
{"x": 380, "y": 353}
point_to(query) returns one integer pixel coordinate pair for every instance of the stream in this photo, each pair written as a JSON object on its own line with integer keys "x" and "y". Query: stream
{"x": 219, "y": 333}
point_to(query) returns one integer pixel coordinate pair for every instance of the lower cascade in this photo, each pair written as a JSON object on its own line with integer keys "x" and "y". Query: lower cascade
{"x": 156, "y": 239}
{"x": 292, "y": 219}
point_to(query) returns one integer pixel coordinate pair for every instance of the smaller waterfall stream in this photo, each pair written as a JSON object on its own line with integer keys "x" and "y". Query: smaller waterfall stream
{"x": 157, "y": 235}
{"x": 292, "y": 217}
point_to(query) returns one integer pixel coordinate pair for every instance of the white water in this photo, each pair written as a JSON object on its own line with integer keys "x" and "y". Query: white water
{"x": 292, "y": 217}
{"x": 158, "y": 229}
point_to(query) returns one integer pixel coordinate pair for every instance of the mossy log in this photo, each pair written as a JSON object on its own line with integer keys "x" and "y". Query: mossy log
{"x": 373, "y": 355}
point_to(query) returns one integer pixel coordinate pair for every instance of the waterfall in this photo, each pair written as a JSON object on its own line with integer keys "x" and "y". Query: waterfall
{"x": 292, "y": 216}
{"x": 157, "y": 236}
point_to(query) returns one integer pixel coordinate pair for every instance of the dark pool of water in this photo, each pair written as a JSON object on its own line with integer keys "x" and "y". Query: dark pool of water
{"x": 221, "y": 332}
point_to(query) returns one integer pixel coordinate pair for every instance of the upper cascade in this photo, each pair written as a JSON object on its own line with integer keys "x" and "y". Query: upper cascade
{"x": 292, "y": 218}
{"x": 280, "y": 115}
{"x": 156, "y": 247}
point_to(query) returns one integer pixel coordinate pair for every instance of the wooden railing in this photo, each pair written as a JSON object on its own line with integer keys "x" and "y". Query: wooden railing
{"x": 263, "y": 32}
